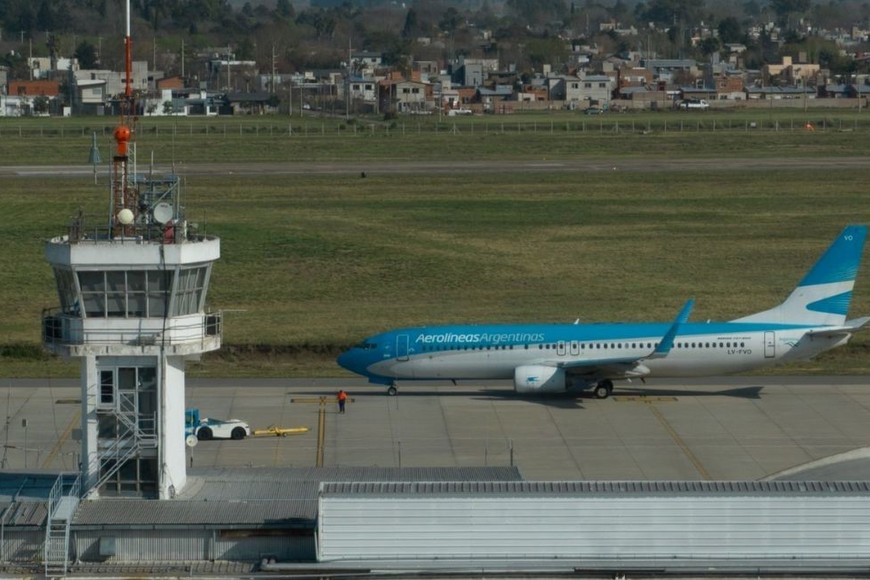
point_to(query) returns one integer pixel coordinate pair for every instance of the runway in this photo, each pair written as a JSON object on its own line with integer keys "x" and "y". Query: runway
{"x": 402, "y": 167}
{"x": 731, "y": 428}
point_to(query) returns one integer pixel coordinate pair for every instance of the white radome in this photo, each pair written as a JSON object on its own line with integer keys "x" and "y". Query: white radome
{"x": 125, "y": 216}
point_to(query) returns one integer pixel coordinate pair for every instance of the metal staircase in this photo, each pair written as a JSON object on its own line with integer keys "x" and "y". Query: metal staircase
{"x": 136, "y": 431}
{"x": 63, "y": 500}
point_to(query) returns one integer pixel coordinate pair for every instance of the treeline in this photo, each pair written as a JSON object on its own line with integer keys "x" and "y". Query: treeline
{"x": 525, "y": 33}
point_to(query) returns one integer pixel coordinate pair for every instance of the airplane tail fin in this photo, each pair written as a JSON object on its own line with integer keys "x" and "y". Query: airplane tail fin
{"x": 823, "y": 295}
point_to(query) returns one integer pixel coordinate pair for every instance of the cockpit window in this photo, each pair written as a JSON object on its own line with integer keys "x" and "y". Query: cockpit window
{"x": 365, "y": 345}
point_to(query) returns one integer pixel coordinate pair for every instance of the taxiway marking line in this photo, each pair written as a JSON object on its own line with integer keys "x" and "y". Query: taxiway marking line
{"x": 680, "y": 443}
{"x": 63, "y": 437}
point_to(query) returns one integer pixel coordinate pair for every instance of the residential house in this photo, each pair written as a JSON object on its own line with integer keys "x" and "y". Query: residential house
{"x": 363, "y": 93}
{"x": 89, "y": 97}
{"x": 730, "y": 86}
{"x": 596, "y": 89}
{"x": 401, "y": 95}
{"x": 670, "y": 70}
{"x": 790, "y": 73}
{"x": 28, "y": 91}
{"x": 365, "y": 63}
{"x": 114, "y": 80}
{"x": 32, "y": 89}
{"x": 258, "y": 103}
{"x": 778, "y": 93}
{"x": 493, "y": 100}
{"x": 172, "y": 83}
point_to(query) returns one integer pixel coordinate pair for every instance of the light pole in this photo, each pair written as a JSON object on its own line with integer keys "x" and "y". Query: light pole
{"x": 24, "y": 425}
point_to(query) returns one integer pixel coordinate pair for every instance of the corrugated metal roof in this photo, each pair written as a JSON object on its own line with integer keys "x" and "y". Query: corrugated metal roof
{"x": 24, "y": 497}
{"x": 580, "y": 488}
{"x": 30, "y": 513}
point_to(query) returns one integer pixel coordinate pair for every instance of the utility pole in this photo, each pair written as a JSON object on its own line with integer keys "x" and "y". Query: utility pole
{"x": 182, "y": 59}
{"x": 347, "y": 80}
{"x": 229, "y": 84}
{"x": 274, "y": 62}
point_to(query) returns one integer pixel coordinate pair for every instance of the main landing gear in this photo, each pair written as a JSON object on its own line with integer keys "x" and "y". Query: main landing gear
{"x": 392, "y": 391}
{"x": 603, "y": 389}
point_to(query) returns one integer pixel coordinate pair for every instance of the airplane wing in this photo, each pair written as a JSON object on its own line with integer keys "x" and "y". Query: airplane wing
{"x": 667, "y": 341}
{"x": 848, "y": 328}
{"x": 629, "y": 366}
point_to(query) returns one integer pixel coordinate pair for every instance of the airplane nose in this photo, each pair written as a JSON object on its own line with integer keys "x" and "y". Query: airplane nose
{"x": 346, "y": 361}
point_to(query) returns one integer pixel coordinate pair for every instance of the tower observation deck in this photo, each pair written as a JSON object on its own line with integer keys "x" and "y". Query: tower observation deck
{"x": 133, "y": 309}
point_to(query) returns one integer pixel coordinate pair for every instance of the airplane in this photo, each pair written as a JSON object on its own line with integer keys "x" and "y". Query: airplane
{"x": 550, "y": 358}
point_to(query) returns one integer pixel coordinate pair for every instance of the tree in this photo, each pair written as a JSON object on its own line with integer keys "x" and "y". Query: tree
{"x": 538, "y": 11}
{"x": 709, "y": 45}
{"x": 284, "y": 9}
{"x": 541, "y": 51}
{"x": 730, "y": 30}
{"x": 86, "y": 54}
{"x": 450, "y": 21}
{"x": 40, "y": 105}
{"x": 784, "y": 8}
{"x": 411, "y": 27}
{"x": 45, "y": 17}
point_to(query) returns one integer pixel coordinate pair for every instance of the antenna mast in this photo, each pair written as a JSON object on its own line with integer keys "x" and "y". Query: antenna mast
{"x": 124, "y": 207}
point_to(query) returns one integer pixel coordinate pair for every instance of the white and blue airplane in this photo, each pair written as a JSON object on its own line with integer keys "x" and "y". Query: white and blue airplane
{"x": 549, "y": 358}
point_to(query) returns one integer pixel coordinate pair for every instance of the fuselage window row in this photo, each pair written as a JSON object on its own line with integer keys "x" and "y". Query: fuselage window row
{"x": 591, "y": 346}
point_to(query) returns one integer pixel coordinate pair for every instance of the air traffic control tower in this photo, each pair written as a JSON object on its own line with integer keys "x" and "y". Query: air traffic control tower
{"x": 132, "y": 295}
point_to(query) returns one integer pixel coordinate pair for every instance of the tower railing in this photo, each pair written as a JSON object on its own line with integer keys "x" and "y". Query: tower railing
{"x": 66, "y": 329}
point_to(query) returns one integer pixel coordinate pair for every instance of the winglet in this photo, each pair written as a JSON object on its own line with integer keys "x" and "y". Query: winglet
{"x": 667, "y": 342}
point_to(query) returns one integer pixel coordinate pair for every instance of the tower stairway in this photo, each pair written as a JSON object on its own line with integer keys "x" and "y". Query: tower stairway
{"x": 63, "y": 501}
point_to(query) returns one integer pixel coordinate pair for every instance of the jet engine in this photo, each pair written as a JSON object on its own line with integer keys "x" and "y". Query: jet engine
{"x": 536, "y": 379}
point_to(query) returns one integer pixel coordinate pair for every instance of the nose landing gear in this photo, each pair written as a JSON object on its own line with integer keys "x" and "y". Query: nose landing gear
{"x": 603, "y": 389}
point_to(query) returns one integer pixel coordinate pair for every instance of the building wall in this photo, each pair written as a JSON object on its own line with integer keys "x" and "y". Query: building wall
{"x": 731, "y": 527}
{"x": 192, "y": 545}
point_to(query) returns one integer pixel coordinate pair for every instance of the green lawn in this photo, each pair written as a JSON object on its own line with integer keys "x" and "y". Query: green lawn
{"x": 536, "y": 136}
{"x": 313, "y": 263}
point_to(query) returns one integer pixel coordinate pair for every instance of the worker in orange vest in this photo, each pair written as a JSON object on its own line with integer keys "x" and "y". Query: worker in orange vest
{"x": 342, "y": 399}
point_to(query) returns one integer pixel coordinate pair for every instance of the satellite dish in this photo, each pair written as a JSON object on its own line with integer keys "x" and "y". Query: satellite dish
{"x": 162, "y": 212}
{"x": 125, "y": 216}
{"x": 191, "y": 440}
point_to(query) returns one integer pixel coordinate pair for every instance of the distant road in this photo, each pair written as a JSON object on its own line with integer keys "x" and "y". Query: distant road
{"x": 492, "y": 166}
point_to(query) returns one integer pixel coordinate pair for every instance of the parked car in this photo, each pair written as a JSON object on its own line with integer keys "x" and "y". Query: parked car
{"x": 205, "y": 428}
{"x": 594, "y": 111}
{"x": 694, "y": 104}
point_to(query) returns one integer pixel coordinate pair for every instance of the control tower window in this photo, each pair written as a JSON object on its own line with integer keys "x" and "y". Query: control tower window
{"x": 93, "y": 285}
{"x": 116, "y": 299}
{"x": 189, "y": 292}
{"x": 158, "y": 286}
{"x": 66, "y": 290}
{"x": 119, "y": 293}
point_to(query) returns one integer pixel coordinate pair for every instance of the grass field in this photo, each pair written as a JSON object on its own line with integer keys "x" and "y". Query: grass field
{"x": 538, "y": 136}
{"x": 312, "y": 264}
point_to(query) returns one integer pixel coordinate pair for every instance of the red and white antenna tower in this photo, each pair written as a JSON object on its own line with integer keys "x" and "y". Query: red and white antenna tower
{"x": 124, "y": 210}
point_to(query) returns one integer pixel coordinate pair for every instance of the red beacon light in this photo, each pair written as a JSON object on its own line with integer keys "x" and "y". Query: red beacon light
{"x": 122, "y": 136}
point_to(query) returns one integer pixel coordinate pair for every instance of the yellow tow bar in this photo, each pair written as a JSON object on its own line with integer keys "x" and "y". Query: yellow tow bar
{"x": 275, "y": 431}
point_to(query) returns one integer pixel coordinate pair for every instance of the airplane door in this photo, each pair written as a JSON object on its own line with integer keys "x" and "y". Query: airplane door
{"x": 575, "y": 348}
{"x": 402, "y": 347}
{"x": 560, "y": 348}
{"x": 769, "y": 344}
